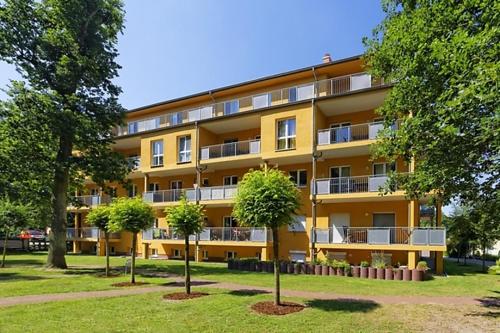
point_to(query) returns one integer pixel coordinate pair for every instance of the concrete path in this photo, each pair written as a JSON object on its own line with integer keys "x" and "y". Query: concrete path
{"x": 244, "y": 289}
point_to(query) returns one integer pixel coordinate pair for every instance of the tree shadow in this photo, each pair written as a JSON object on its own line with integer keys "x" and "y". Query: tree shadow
{"x": 193, "y": 283}
{"x": 13, "y": 276}
{"x": 248, "y": 292}
{"x": 343, "y": 305}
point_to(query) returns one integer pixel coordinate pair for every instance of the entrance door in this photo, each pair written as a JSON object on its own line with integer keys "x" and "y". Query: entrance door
{"x": 340, "y": 179}
{"x": 340, "y": 222}
{"x": 340, "y": 132}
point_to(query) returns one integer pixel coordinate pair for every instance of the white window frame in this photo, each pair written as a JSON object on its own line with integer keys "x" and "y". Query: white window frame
{"x": 133, "y": 191}
{"x": 177, "y": 253}
{"x": 231, "y": 111}
{"x": 157, "y": 156}
{"x": 155, "y": 186}
{"x": 298, "y": 178}
{"x": 231, "y": 180}
{"x": 264, "y": 100}
{"x": 204, "y": 254}
{"x": 287, "y": 137}
{"x": 386, "y": 166}
{"x": 184, "y": 155}
{"x": 232, "y": 219}
{"x": 233, "y": 255}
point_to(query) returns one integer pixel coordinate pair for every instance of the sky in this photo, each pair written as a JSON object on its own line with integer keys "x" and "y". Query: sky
{"x": 170, "y": 49}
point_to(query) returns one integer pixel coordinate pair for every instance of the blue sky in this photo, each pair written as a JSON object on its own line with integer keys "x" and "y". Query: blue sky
{"x": 174, "y": 48}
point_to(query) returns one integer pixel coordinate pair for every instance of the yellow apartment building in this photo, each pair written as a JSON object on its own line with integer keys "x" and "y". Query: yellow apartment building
{"x": 316, "y": 124}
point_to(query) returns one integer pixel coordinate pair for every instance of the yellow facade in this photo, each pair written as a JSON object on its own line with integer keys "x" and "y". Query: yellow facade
{"x": 235, "y": 129}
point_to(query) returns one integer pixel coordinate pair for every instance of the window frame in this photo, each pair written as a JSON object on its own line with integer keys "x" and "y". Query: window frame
{"x": 157, "y": 157}
{"x": 287, "y": 137}
{"x": 182, "y": 150}
{"x": 229, "y": 110}
{"x": 231, "y": 178}
{"x": 298, "y": 178}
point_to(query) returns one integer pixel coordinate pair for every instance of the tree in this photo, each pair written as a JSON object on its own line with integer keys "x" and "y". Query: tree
{"x": 13, "y": 217}
{"x": 267, "y": 198}
{"x": 460, "y": 232}
{"x": 99, "y": 217}
{"x": 442, "y": 59}
{"x": 132, "y": 215}
{"x": 186, "y": 219}
{"x": 65, "y": 52}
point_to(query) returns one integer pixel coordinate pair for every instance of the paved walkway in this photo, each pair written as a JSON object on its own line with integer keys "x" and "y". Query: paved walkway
{"x": 127, "y": 291}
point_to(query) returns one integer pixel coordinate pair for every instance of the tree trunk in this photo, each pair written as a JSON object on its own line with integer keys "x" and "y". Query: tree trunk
{"x": 132, "y": 266}
{"x": 106, "y": 240}
{"x": 187, "y": 275}
{"x": 484, "y": 258}
{"x": 57, "y": 236}
{"x": 4, "y": 249}
{"x": 276, "y": 267}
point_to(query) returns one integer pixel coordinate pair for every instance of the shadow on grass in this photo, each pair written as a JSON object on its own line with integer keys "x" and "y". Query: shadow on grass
{"x": 343, "y": 305}
{"x": 492, "y": 305}
{"x": 12, "y": 276}
{"x": 454, "y": 269}
{"x": 248, "y": 292}
{"x": 193, "y": 283}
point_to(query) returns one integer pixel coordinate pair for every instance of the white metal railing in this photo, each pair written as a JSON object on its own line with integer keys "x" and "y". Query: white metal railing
{"x": 356, "y": 184}
{"x": 202, "y": 193}
{"x": 230, "y": 149}
{"x": 357, "y": 132}
{"x": 380, "y": 235}
{"x": 134, "y": 162}
{"x": 213, "y": 234}
{"x": 89, "y": 233}
{"x": 328, "y": 87}
{"x": 92, "y": 200}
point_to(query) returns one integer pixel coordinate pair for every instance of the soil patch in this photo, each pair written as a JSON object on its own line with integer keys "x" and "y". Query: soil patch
{"x": 284, "y": 308}
{"x": 111, "y": 275}
{"x": 183, "y": 296}
{"x": 128, "y": 284}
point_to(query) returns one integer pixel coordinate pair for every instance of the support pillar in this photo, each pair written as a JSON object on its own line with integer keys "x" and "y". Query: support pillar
{"x": 145, "y": 250}
{"x": 412, "y": 259}
{"x": 265, "y": 254}
{"x": 198, "y": 253}
{"x": 146, "y": 182}
{"x": 439, "y": 263}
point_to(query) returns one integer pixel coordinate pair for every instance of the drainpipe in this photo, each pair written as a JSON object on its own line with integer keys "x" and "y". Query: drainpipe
{"x": 198, "y": 180}
{"x": 313, "y": 180}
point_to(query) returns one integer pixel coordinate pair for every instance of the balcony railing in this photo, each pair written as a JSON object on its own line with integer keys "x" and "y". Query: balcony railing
{"x": 134, "y": 162}
{"x": 203, "y": 193}
{"x": 213, "y": 234}
{"x": 358, "y": 184}
{"x": 93, "y": 200}
{"x": 89, "y": 232}
{"x": 380, "y": 235}
{"x": 367, "y": 131}
{"x": 230, "y": 149}
{"x": 328, "y": 87}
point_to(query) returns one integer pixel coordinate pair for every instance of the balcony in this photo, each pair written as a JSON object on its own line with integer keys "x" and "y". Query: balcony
{"x": 212, "y": 235}
{"x": 359, "y": 132}
{"x": 92, "y": 200}
{"x": 211, "y": 193}
{"x": 328, "y": 87}
{"x": 232, "y": 149}
{"x": 90, "y": 233}
{"x": 373, "y": 237}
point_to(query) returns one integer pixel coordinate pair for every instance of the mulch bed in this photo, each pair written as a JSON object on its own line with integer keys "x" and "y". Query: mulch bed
{"x": 128, "y": 284}
{"x": 183, "y": 296}
{"x": 284, "y": 308}
{"x": 111, "y": 275}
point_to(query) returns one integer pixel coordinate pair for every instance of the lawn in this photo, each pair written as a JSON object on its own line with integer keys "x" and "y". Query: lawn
{"x": 25, "y": 275}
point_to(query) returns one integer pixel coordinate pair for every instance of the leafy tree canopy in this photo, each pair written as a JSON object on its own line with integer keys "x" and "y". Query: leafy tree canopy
{"x": 130, "y": 214}
{"x": 99, "y": 217}
{"x": 185, "y": 218}
{"x": 14, "y": 217}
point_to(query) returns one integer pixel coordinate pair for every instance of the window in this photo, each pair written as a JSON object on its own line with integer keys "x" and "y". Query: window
{"x": 177, "y": 253}
{"x": 292, "y": 94}
{"x": 381, "y": 169}
{"x": 133, "y": 127}
{"x": 204, "y": 182}
{"x": 229, "y": 222}
{"x": 340, "y": 172}
{"x": 299, "y": 177}
{"x": 156, "y": 223}
{"x": 340, "y": 132}
{"x": 230, "y": 180}
{"x": 204, "y": 254}
{"x": 132, "y": 191}
{"x": 341, "y": 180}
{"x": 176, "y": 118}
{"x": 297, "y": 256}
{"x": 154, "y": 252}
{"x": 185, "y": 149}
{"x": 153, "y": 187}
{"x": 231, "y": 107}
{"x": 261, "y": 101}
{"x": 231, "y": 255}
{"x": 157, "y": 149}
{"x": 94, "y": 191}
{"x": 384, "y": 220}
{"x": 298, "y": 225}
{"x": 113, "y": 192}
{"x": 286, "y": 134}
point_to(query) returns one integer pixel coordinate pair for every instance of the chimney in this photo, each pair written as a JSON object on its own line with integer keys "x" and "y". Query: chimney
{"x": 326, "y": 58}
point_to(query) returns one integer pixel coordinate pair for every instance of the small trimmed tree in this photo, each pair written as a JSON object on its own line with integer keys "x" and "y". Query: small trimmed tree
{"x": 13, "y": 217}
{"x": 132, "y": 215}
{"x": 99, "y": 217}
{"x": 267, "y": 198}
{"x": 186, "y": 219}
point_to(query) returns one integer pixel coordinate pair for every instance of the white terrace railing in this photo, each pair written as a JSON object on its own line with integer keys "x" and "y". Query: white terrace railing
{"x": 356, "y": 184}
{"x": 89, "y": 233}
{"x": 380, "y": 235}
{"x": 230, "y": 149}
{"x": 213, "y": 234}
{"x": 328, "y": 87}
{"x": 357, "y": 132}
{"x": 202, "y": 193}
{"x": 92, "y": 200}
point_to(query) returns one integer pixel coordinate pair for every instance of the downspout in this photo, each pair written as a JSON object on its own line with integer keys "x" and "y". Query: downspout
{"x": 198, "y": 180}
{"x": 313, "y": 178}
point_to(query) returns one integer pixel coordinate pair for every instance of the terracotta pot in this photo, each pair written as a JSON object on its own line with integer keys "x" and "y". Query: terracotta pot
{"x": 347, "y": 272}
{"x": 308, "y": 269}
{"x": 355, "y": 270}
{"x": 290, "y": 268}
{"x": 340, "y": 271}
{"x": 317, "y": 269}
{"x": 388, "y": 274}
{"x": 406, "y": 274}
{"x": 283, "y": 267}
{"x": 331, "y": 271}
{"x": 398, "y": 274}
{"x": 372, "y": 273}
{"x": 296, "y": 269}
{"x": 417, "y": 275}
{"x": 324, "y": 270}
{"x": 380, "y": 273}
{"x": 364, "y": 272}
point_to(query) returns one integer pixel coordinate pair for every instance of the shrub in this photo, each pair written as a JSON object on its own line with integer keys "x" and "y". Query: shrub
{"x": 422, "y": 266}
{"x": 364, "y": 264}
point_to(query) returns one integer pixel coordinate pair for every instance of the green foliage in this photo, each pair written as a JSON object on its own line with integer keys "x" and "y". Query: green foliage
{"x": 14, "y": 217}
{"x": 130, "y": 214}
{"x": 266, "y": 198}
{"x": 442, "y": 57}
{"x": 99, "y": 217}
{"x": 422, "y": 266}
{"x": 364, "y": 264}
{"x": 185, "y": 218}
{"x": 378, "y": 261}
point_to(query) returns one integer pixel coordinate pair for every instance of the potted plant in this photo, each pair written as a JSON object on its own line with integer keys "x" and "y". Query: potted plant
{"x": 290, "y": 267}
{"x": 308, "y": 268}
{"x": 418, "y": 273}
{"x": 283, "y": 266}
{"x": 297, "y": 268}
{"x": 388, "y": 273}
{"x": 347, "y": 268}
{"x": 325, "y": 269}
{"x": 332, "y": 267}
{"x": 356, "y": 271}
{"x": 379, "y": 264}
{"x": 406, "y": 273}
{"x": 397, "y": 273}
{"x": 317, "y": 267}
{"x": 364, "y": 269}
{"x": 341, "y": 268}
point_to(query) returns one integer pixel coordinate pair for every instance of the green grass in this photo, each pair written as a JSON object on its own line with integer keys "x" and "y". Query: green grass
{"x": 25, "y": 275}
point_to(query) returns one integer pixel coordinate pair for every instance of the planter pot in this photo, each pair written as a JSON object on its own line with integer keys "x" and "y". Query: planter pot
{"x": 317, "y": 269}
{"x": 372, "y": 273}
{"x": 251, "y": 266}
{"x": 364, "y": 272}
{"x": 397, "y": 274}
{"x": 324, "y": 270}
{"x": 283, "y": 267}
{"x": 417, "y": 275}
{"x": 356, "y": 271}
{"x": 340, "y": 271}
{"x": 270, "y": 267}
{"x": 331, "y": 271}
{"x": 301, "y": 268}
{"x": 380, "y": 273}
{"x": 290, "y": 268}
{"x": 388, "y": 274}
{"x": 406, "y": 275}
{"x": 308, "y": 269}
{"x": 296, "y": 269}
{"x": 347, "y": 272}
